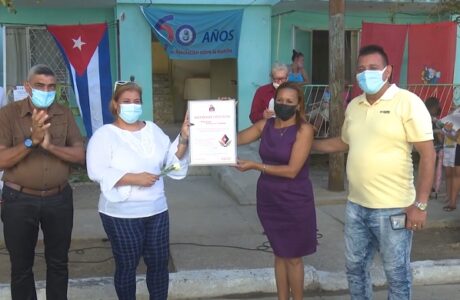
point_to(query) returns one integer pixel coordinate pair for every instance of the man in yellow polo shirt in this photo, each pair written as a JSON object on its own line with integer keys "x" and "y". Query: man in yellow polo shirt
{"x": 381, "y": 126}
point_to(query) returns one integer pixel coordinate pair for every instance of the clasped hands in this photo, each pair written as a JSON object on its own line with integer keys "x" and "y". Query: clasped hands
{"x": 39, "y": 130}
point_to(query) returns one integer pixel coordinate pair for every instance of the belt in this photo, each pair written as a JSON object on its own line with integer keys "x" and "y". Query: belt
{"x": 34, "y": 192}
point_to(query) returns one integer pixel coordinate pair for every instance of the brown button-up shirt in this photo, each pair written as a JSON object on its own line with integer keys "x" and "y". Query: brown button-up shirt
{"x": 40, "y": 169}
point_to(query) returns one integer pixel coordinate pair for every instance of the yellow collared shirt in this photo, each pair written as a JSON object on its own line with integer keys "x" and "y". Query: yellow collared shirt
{"x": 379, "y": 165}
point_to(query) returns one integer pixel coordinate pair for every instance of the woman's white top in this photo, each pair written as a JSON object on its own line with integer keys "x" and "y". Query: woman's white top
{"x": 113, "y": 152}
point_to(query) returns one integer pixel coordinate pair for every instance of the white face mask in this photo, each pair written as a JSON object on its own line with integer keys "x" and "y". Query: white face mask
{"x": 276, "y": 85}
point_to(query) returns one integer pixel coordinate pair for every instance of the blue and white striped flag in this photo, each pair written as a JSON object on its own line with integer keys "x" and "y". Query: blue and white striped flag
{"x": 86, "y": 51}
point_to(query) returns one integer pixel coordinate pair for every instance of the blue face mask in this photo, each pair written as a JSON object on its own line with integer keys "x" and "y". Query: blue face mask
{"x": 42, "y": 99}
{"x": 130, "y": 113}
{"x": 370, "y": 81}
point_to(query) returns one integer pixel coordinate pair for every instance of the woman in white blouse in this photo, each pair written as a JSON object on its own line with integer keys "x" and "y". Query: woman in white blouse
{"x": 129, "y": 158}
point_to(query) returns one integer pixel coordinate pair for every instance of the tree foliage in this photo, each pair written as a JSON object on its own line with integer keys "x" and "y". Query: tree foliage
{"x": 448, "y": 7}
{"x": 9, "y": 4}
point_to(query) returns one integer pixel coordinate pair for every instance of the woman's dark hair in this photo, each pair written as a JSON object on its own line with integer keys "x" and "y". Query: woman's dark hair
{"x": 300, "y": 113}
{"x": 432, "y": 103}
{"x": 296, "y": 54}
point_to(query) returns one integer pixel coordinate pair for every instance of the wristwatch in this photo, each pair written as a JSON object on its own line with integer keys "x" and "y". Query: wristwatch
{"x": 28, "y": 143}
{"x": 420, "y": 205}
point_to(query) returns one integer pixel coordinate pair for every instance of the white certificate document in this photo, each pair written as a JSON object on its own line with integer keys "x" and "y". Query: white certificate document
{"x": 212, "y": 132}
{"x": 453, "y": 118}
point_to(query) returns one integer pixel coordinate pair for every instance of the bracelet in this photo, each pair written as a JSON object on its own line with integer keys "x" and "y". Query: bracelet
{"x": 264, "y": 168}
{"x": 182, "y": 140}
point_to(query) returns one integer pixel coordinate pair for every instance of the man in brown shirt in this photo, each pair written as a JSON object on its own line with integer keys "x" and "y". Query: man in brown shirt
{"x": 39, "y": 139}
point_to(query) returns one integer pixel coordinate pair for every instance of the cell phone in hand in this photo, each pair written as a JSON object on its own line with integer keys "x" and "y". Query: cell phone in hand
{"x": 398, "y": 221}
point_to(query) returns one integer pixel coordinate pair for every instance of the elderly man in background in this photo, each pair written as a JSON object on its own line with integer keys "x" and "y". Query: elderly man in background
{"x": 263, "y": 102}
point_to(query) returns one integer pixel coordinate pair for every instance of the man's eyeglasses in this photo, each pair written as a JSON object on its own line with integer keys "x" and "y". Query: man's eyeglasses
{"x": 279, "y": 79}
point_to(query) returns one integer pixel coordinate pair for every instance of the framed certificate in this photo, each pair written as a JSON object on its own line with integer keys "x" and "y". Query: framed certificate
{"x": 212, "y": 132}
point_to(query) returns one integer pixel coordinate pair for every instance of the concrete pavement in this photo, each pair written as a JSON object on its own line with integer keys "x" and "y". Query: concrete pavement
{"x": 218, "y": 247}
{"x": 429, "y": 292}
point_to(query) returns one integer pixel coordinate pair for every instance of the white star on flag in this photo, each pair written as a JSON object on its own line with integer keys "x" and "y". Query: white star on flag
{"x": 78, "y": 43}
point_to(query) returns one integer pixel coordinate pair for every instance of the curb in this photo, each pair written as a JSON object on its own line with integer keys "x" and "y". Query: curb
{"x": 218, "y": 283}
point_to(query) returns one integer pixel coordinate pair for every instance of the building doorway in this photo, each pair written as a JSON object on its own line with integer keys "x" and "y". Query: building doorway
{"x": 177, "y": 81}
{"x": 320, "y": 56}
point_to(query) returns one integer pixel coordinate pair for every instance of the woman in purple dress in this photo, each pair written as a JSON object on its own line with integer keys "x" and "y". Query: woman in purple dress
{"x": 285, "y": 204}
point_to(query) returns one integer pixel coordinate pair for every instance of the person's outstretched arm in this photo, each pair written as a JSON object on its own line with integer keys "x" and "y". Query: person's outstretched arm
{"x": 331, "y": 145}
{"x": 252, "y": 133}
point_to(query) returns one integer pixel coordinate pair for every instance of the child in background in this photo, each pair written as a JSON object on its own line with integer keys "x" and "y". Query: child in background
{"x": 451, "y": 160}
{"x": 434, "y": 108}
{"x": 449, "y": 149}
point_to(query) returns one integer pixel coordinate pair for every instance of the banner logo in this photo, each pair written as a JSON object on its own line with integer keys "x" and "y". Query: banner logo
{"x": 161, "y": 25}
{"x": 185, "y": 35}
{"x": 430, "y": 75}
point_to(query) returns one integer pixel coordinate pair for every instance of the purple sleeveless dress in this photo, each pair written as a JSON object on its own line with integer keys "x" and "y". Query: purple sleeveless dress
{"x": 285, "y": 206}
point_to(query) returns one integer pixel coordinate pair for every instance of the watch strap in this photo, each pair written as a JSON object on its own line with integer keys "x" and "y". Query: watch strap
{"x": 420, "y": 205}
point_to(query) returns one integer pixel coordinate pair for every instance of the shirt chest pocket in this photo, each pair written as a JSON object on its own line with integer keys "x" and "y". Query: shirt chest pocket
{"x": 18, "y": 139}
{"x": 58, "y": 132}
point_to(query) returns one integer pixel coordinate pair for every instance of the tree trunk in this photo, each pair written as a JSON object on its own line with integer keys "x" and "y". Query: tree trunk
{"x": 336, "y": 86}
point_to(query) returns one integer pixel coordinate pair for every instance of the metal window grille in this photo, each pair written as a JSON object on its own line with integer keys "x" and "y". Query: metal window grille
{"x": 317, "y": 99}
{"x": 42, "y": 49}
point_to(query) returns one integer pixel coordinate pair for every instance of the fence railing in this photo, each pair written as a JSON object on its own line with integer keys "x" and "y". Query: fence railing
{"x": 445, "y": 93}
{"x": 317, "y": 98}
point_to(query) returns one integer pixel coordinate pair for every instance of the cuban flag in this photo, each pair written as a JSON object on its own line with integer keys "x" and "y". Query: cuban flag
{"x": 85, "y": 49}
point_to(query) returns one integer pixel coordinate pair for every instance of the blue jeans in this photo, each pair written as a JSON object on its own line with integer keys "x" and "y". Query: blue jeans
{"x": 369, "y": 230}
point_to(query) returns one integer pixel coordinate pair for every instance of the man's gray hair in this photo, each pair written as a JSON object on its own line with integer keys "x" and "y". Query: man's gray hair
{"x": 40, "y": 70}
{"x": 279, "y": 67}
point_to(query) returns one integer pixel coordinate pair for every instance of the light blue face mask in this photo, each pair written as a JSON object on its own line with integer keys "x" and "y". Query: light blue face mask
{"x": 42, "y": 99}
{"x": 370, "y": 81}
{"x": 130, "y": 113}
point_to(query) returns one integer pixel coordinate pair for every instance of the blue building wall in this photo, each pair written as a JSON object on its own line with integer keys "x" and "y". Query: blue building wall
{"x": 254, "y": 49}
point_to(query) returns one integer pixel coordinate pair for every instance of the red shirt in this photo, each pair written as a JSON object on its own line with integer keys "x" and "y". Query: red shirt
{"x": 260, "y": 102}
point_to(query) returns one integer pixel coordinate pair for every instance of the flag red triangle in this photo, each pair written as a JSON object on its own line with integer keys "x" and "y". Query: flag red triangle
{"x": 78, "y": 42}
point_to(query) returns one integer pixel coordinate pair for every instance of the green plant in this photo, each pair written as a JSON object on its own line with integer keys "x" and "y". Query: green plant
{"x": 62, "y": 98}
{"x": 9, "y": 5}
{"x": 451, "y": 7}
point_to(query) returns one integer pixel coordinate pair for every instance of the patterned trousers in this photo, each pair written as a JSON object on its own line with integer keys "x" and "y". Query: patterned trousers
{"x": 133, "y": 238}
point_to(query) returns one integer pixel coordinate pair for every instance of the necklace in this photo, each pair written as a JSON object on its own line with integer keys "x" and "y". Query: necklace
{"x": 283, "y": 130}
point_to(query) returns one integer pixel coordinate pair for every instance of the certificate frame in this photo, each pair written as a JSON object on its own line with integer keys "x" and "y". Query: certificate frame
{"x": 213, "y": 136}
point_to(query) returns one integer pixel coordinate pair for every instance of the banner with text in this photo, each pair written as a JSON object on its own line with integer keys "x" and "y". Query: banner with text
{"x": 190, "y": 35}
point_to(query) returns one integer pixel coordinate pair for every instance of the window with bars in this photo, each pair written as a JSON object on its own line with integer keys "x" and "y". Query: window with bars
{"x": 43, "y": 50}
{"x": 28, "y": 46}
